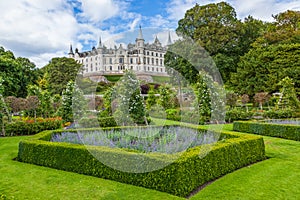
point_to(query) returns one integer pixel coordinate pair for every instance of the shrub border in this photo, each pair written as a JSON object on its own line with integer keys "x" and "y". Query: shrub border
{"x": 286, "y": 131}
{"x": 179, "y": 178}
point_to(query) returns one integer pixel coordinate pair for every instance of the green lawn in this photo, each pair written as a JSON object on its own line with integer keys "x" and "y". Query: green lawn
{"x": 26, "y": 181}
{"x": 275, "y": 178}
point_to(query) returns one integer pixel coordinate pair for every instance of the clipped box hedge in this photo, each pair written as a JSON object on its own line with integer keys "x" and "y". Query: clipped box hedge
{"x": 286, "y": 131}
{"x": 179, "y": 178}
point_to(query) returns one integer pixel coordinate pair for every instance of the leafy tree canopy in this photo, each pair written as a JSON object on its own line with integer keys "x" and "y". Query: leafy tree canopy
{"x": 262, "y": 68}
{"x": 216, "y": 28}
{"x": 17, "y": 73}
{"x": 59, "y": 72}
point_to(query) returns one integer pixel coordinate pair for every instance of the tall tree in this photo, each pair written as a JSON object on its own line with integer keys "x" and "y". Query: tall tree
{"x": 130, "y": 108}
{"x": 33, "y": 103}
{"x": 59, "y": 72}
{"x": 216, "y": 28}
{"x": 17, "y": 74}
{"x": 275, "y": 55}
{"x": 262, "y": 68}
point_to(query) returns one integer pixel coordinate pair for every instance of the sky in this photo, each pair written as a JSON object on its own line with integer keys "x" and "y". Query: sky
{"x": 41, "y": 30}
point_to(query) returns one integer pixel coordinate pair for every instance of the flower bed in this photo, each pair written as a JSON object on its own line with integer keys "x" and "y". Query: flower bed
{"x": 287, "y": 131}
{"x": 29, "y": 127}
{"x": 178, "y": 177}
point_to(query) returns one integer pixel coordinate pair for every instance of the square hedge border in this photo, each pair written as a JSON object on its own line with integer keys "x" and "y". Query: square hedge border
{"x": 286, "y": 131}
{"x": 179, "y": 178}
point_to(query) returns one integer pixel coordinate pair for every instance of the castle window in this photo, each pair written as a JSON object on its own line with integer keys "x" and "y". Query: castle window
{"x": 148, "y": 68}
{"x": 157, "y": 69}
{"x": 131, "y": 60}
{"x": 161, "y": 62}
{"x": 91, "y": 59}
{"x": 152, "y": 61}
{"x": 147, "y": 53}
{"x": 152, "y": 54}
{"x": 120, "y": 60}
{"x": 96, "y": 58}
{"x": 161, "y": 70}
{"x": 160, "y": 55}
{"x": 110, "y": 60}
{"x": 96, "y": 68}
{"x": 153, "y": 69}
{"x": 110, "y": 68}
{"x": 156, "y": 61}
{"x": 156, "y": 54}
{"x": 131, "y": 67}
{"x": 148, "y": 61}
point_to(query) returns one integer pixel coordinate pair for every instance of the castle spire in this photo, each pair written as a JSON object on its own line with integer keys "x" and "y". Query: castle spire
{"x": 140, "y": 36}
{"x": 100, "y": 43}
{"x": 156, "y": 40}
{"x": 71, "y": 50}
{"x": 169, "y": 39}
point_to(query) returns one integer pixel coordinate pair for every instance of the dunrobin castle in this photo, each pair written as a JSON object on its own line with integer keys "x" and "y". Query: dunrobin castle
{"x": 143, "y": 58}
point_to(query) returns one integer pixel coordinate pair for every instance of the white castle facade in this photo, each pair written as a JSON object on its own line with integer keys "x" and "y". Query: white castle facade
{"x": 143, "y": 58}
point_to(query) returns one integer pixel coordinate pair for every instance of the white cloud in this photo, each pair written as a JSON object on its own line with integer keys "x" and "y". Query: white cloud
{"x": 44, "y": 58}
{"x": 134, "y": 24}
{"x": 177, "y": 8}
{"x": 99, "y": 10}
{"x": 263, "y": 9}
{"x": 42, "y": 29}
{"x": 30, "y": 27}
{"x": 159, "y": 21}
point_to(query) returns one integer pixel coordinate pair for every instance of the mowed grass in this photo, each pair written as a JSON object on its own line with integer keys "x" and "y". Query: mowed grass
{"x": 275, "y": 178}
{"x": 25, "y": 181}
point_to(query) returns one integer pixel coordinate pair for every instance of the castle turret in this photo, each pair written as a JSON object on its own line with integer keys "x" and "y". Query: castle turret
{"x": 140, "y": 42}
{"x": 71, "y": 53}
{"x": 100, "y": 43}
{"x": 157, "y": 42}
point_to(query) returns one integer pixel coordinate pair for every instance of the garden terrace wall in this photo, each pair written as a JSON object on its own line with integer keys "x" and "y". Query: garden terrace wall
{"x": 286, "y": 131}
{"x": 179, "y": 178}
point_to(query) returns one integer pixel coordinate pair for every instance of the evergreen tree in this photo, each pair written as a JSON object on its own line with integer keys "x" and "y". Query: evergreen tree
{"x": 288, "y": 98}
{"x": 151, "y": 100}
{"x": 130, "y": 107}
{"x": 203, "y": 101}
